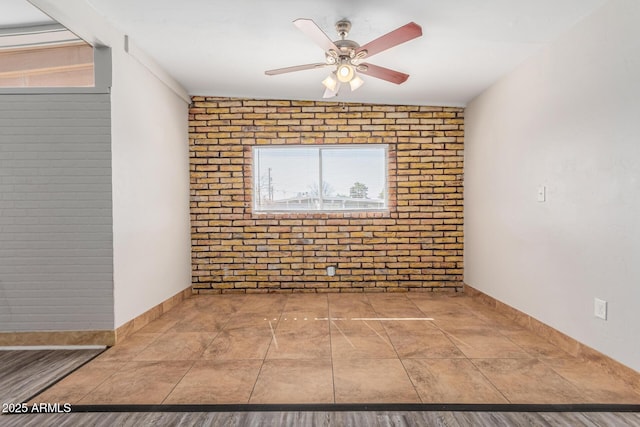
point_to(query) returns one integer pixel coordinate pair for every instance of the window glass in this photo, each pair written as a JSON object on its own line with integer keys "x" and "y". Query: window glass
{"x": 327, "y": 178}
{"x": 45, "y": 56}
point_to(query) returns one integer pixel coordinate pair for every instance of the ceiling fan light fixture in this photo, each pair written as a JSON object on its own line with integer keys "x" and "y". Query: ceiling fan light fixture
{"x": 356, "y": 82}
{"x": 328, "y": 93}
{"x": 362, "y": 54}
{"x": 345, "y": 73}
{"x": 331, "y": 82}
{"x": 345, "y": 56}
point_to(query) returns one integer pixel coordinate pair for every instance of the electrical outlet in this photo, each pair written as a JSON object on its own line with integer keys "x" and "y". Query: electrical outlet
{"x": 331, "y": 271}
{"x": 600, "y": 308}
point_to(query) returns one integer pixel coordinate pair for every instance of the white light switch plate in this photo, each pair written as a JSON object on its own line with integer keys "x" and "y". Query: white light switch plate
{"x": 542, "y": 193}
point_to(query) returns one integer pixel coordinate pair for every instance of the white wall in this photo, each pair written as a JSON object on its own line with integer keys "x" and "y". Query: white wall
{"x": 150, "y": 149}
{"x": 569, "y": 119}
{"x": 150, "y": 166}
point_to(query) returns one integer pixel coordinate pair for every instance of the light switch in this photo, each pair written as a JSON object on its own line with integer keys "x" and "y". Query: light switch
{"x": 542, "y": 193}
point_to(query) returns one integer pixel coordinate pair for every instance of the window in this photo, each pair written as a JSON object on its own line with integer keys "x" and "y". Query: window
{"x": 45, "y": 56}
{"x": 320, "y": 178}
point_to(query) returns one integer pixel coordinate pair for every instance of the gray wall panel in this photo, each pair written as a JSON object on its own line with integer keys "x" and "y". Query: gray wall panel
{"x": 56, "y": 243}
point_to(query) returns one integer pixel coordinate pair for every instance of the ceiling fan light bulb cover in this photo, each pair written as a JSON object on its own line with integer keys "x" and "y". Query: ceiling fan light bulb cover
{"x": 330, "y": 82}
{"x": 356, "y": 82}
{"x": 328, "y": 93}
{"x": 345, "y": 73}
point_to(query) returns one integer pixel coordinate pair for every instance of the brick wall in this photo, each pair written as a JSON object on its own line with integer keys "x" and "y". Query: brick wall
{"x": 416, "y": 245}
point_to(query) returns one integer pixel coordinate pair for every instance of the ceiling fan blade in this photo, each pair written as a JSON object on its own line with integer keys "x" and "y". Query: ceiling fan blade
{"x": 383, "y": 73}
{"x": 314, "y": 32}
{"x": 294, "y": 68}
{"x": 394, "y": 38}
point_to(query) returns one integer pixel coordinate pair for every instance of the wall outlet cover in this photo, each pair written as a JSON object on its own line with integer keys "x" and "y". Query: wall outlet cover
{"x": 600, "y": 308}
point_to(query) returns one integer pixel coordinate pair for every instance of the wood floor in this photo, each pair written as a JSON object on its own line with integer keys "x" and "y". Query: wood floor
{"x": 355, "y": 419}
{"x": 24, "y": 373}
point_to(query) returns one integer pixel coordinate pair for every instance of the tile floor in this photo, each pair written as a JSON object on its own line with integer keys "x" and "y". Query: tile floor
{"x": 336, "y": 348}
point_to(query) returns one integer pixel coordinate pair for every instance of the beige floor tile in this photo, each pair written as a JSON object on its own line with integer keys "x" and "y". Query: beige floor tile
{"x": 294, "y": 381}
{"x": 438, "y": 305}
{"x": 177, "y": 346}
{"x": 139, "y": 382}
{"x": 354, "y": 326}
{"x": 80, "y": 383}
{"x": 200, "y": 322}
{"x": 246, "y": 343}
{"x": 484, "y": 343}
{"x": 420, "y": 339}
{"x": 298, "y": 320}
{"x": 450, "y": 313}
{"x": 210, "y": 304}
{"x": 262, "y": 304}
{"x": 393, "y": 305}
{"x": 298, "y": 317}
{"x": 160, "y": 325}
{"x": 300, "y": 340}
{"x": 227, "y": 338}
{"x": 451, "y": 381}
{"x": 129, "y": 348}
{"x": 490, "y": 316}
{"x": 445, "y": 322}
{"x": 171, "y": 317}
{"x": 529, "y": 381}
{"x": 360, "y": 339}
{"x": 350, "y": 305}
{"x": 258, "y": 322}
{"x": 594, "y": 382}
{"x": 216, "y": 382}
{"x": 372, "y": 381}
{"x": 534, "y": 345}
{"x": 306, "y": 305}
{"x": 350, "y": 346}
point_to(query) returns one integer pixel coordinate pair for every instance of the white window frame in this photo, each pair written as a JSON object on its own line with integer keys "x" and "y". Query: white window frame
{"x": 254, "y": 168}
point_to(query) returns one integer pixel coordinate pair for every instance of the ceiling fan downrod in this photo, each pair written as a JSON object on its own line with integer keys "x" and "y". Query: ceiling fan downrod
{"x": 343, "y": 27}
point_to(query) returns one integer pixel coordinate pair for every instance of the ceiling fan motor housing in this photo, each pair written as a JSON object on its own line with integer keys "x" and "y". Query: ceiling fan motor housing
{"x": 346, "y": 51}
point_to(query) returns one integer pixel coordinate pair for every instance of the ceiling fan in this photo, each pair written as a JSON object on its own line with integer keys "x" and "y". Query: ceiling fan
{"x": 347, "y": 56}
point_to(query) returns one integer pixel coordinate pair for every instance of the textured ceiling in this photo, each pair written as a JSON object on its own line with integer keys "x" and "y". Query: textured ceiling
{"x": 223, "y": 47}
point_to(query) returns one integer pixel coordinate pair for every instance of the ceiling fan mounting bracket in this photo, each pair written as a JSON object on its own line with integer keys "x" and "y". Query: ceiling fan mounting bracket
{"x": 343, "y": 27}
